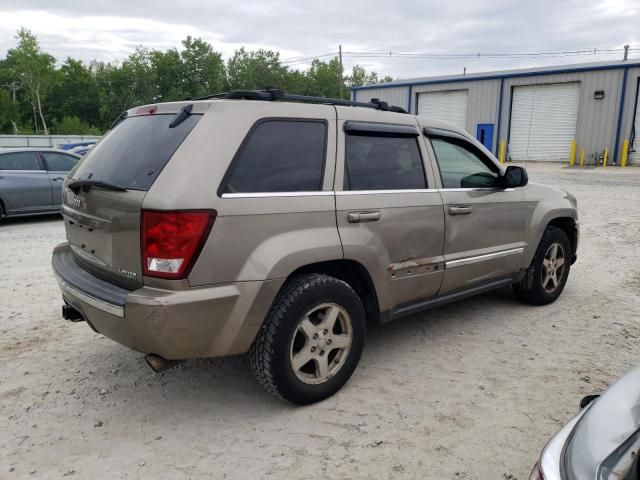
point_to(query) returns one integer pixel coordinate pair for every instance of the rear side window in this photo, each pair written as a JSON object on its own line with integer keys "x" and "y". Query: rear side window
{"x": 19, "y": 161}
{"x": 59, "y": 162}
{"x": 280, "y": 156}
{"x": 134, "y": 153}
{"x": 383, "y": 163}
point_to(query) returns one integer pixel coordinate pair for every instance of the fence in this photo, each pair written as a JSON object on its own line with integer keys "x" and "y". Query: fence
{"x": 20, "y": 141}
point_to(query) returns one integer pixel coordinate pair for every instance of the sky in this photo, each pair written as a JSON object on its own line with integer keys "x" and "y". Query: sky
{"x": 109, "y": 30}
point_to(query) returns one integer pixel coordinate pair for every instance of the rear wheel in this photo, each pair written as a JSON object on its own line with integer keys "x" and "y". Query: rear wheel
{"x": 549, "y": 269}
{"x": 311, "y": 341}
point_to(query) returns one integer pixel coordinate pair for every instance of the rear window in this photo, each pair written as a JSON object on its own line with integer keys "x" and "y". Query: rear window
{"x": 134, "y": 153}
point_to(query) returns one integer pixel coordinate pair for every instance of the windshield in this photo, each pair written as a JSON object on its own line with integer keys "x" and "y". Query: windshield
{"x": 134, "y": 153}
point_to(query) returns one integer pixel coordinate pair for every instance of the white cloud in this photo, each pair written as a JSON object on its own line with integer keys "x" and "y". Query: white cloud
{"x": 114, "y": 28}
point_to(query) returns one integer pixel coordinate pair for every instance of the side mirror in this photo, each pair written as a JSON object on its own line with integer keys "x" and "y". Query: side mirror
{"x": 514, "y": 177}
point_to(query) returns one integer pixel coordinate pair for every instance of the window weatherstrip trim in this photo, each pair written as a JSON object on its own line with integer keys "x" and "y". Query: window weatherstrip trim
{"x": 382, "y": 192}
{"x": 386, "y": 129}
{"x": 276, "y": 194}
{"x": 483, "y": 258}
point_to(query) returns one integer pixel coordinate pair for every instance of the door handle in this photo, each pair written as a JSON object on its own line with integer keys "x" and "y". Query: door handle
{"x": 460, "y": 210}
{"x": 59, "y": 178}
{"x": 360, "y": 217}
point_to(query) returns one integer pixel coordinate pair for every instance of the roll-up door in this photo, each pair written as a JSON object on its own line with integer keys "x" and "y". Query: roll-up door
{"x": 543, "y": 122}
{"x": 450, "y": 106}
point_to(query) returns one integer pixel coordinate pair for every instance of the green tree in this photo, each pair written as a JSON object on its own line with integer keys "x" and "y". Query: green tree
{"x": 203, "y": 68}
{"x": 35, "y": 70}
{"x": 254, "y": 70}
{"x": 359, "y": 77}
{"x": 169, "y": 73}
{"x": 9, "y": 113}
{"x": 75, "y": 93}
{"x": 73, "y": 126}
{"x": 324, "y": 78}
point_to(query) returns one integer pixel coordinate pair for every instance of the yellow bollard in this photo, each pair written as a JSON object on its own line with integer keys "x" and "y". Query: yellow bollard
{"x": 625, "y": 153}
{"x": 582, "y": 157}
{"x": 606, "y": 156}
{"x": 572, "y": 158}
{"x": 503, "y": 151}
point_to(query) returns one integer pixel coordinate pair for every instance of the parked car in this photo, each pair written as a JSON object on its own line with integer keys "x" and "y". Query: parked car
{"x": 81, "y": 150}
{"x": 71, "y": 146}
{"x": 31, "y": 180}
{"x": 280, "y": 228}
{"x": 602, "y": 441}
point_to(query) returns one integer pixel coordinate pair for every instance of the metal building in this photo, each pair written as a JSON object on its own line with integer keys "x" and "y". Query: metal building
{"x": 585, "y": 113}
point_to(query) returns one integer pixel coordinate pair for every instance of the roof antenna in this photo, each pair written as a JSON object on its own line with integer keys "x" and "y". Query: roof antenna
{"x": 464, "y": 71}
{"x": 626, "y": 53}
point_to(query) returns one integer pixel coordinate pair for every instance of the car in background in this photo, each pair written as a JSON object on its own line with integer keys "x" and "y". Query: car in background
{"x": 71, "y": 146}
{"x": 31, "y": 180}
{"x": 602, "y": 441}
{"x": 82, "y": 150}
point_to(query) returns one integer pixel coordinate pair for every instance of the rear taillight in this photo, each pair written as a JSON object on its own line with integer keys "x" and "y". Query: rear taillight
{"x": 172, "y": 240}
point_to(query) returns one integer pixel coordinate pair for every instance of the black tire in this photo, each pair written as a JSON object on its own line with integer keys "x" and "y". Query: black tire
{"x": 532, "y": 289}
{"x": 272, "y": 352}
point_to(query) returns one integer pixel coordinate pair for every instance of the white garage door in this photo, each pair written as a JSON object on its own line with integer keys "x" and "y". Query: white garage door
{"x": 634, "y": 157}
{"x": 543, "y": 122}
{"x": 450, "y": 106}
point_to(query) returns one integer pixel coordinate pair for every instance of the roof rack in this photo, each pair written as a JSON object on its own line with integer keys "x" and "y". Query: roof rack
{"x": 273, "y": 94}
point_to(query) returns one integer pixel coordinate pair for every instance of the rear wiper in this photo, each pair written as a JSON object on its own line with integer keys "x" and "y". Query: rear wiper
{"x": 181, "y": 116}
{"x": 76, "y": 185}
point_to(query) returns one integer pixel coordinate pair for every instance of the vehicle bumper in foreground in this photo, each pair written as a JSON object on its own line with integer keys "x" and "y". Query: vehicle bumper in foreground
{"x": 549, "y": 467}
{"x": 175, "y": 324}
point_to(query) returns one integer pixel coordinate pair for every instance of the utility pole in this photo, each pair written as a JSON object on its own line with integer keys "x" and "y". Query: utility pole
{"x": 626, "y": 53}
{"x": 14, "y": 87}
{"x": 341, "y": 73}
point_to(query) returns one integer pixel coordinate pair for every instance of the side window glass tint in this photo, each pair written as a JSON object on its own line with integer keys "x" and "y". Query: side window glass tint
{"x": 462, "y": 166}
{"x": 19, "y": 161}
{"x": 280, "y": 156}
{"x": 59, "y": 162}
{"x": 383, "y": 163}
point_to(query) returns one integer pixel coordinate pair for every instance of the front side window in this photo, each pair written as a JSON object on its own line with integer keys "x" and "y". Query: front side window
{"x": 383, "y": 163}
{"x": 280, "y": 156}
{"x": 462, "y": 165}
{"x": 59, "y": 162}
{"x": 19, "y": 161}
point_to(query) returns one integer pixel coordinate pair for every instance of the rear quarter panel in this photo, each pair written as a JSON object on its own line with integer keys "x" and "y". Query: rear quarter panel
{"x": 255, "y": 236}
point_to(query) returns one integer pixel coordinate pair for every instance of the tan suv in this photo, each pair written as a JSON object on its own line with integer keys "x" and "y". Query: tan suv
{"x": 281, "y": 225}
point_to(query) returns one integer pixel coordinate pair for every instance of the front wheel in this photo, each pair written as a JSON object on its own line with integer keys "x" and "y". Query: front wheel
{"x": 311, "y": 340}
{"x": 549, "y": 269}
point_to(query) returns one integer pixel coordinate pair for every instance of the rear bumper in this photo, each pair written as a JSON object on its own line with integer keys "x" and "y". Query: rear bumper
{"x": 176, "y": 324}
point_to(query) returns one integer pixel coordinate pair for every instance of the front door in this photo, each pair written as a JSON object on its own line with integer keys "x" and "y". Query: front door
{"x": 485, "y": 135}
{"x": 388, "y": 218}
{"x": 484, "y": 224}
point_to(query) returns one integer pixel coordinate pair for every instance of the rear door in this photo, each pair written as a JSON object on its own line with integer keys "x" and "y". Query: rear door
{"x": 485, "y": 224}
{"x": 389, "y": 215}
{"x": 58, "y": 165}
{"x": 103, "y": 225}
{"x": 24, "y": 185}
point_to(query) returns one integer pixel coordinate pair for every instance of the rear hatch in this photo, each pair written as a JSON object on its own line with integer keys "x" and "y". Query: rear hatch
{"x": 103, "y": 196}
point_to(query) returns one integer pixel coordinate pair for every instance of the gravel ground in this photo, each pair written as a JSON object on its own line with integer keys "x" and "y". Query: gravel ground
{"x": 467, "y": 391}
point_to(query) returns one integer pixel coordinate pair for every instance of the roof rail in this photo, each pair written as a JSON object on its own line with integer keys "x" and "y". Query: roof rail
{"x": 272, "y": 94}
